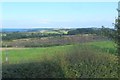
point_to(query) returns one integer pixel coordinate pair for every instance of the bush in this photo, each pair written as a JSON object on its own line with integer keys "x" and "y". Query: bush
{"x": 86, "y": 62}
{"x": 44, "y": 69}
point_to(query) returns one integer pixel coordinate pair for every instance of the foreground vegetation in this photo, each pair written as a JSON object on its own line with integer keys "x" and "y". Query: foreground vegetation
{"x": 87, "y": 60}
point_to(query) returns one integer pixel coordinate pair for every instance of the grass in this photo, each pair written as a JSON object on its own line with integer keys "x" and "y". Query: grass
{"x": 70, "y": 61}
{"x": 32, "y": 54}
{"x": 55, "y": 32}
{"x": 104, "y": 46}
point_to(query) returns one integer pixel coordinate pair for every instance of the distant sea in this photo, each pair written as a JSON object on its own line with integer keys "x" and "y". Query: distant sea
{"x": 23, "y": 30}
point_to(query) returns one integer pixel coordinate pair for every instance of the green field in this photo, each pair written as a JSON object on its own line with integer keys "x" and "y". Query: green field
{"x": 36, "y": 54}
{"x": 85, "y": 60}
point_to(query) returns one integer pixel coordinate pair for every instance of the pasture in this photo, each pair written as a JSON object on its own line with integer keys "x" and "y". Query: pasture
{"x": 85, "y": 60}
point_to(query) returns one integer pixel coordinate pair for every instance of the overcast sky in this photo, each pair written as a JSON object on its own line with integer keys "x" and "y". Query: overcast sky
{"x": 58, "y": 14}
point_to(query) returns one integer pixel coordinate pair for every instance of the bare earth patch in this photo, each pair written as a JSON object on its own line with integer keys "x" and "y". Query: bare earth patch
{"x": 2, "y": 49}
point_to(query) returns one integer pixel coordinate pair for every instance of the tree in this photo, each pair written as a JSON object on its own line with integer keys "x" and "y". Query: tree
{"x": 107, "y": 32}
{"x": 117, "y": 38}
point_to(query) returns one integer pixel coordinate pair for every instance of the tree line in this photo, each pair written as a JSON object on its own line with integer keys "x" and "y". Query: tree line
{"x": 107, "y": 32}
{"x": 23, "y": 35}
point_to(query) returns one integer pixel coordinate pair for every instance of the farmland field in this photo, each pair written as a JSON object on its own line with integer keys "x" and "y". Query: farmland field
{"x": 15, "y": 55}
{"x": 85, "y": 60}
{"x": 70, "y": 39}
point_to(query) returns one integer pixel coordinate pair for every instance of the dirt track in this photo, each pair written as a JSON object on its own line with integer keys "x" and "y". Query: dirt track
{"x": 2, "y": 49}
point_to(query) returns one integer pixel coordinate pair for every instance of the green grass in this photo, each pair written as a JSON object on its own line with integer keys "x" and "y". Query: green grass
{"x": 51, "y": 32}
{"x": 104, "y": 46}
{"x": 87, "y": 60}
{"x": 32, "y": 54}
{"x": 37, "y": 54}
{"x": 55, "y": 32}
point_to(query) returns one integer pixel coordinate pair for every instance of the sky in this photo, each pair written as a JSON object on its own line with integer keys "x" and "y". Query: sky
{"x": 58, "y": 14}
{"x": 59, "y": 0}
